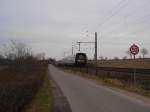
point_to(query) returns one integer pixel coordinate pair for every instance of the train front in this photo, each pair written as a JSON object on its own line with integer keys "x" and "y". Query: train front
{"x": 81, "y": 59}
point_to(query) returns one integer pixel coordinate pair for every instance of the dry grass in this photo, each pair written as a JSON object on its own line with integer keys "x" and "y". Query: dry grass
{"x": 43, "y": 100}
{"x": 138, "y": 63}
{"x": 17, "y": 88}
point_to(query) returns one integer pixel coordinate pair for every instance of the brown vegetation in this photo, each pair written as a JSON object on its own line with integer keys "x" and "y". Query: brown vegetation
{"x": 21, "y": 76}
{"x": 128, "y": 63}
{"x": 17, "y": 87}
{"x": 43, "y": 100}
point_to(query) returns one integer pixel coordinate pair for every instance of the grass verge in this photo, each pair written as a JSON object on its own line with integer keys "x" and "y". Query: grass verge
{"x": 18, "y": 87}
{"x": 43, "y": 100}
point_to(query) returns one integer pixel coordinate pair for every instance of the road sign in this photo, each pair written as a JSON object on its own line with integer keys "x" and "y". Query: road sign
{"x": 134, "y": 49}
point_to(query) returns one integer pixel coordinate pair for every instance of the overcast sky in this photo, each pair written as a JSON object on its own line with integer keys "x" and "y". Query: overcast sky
{"x": 51, "y": 26}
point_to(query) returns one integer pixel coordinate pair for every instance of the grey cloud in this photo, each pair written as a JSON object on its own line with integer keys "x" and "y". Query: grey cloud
{"x": 55, "y": 24}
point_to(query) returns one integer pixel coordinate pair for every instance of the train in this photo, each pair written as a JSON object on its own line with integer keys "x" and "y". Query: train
{"x": 79, "y": 59}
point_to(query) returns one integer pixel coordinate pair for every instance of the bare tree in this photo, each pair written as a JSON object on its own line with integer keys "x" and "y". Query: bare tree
{"x": 144, "y": 52}
{"x": 124, "y": 58}
{"x": 40, "y": 56}
{"x": 16, "y": 50}
{"x": 106, "y": 58}
{"x": 19, "y": 56}
{"x": 116, "y": 58}
{"x": 129, "y": 53}
{"x": 140, "y": 57}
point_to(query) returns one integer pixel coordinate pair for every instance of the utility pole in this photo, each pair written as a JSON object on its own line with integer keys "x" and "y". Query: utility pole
{"x": 95, "y": 42}
{"x": 79, "y": 43}
{"x": 96, "y": 48}
{"x": 72, "y": 49}
{"x": 96, "y": 52}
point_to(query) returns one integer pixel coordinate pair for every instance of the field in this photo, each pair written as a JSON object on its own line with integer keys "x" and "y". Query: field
{"x": 128, "y": 63}
{"x": 18, "y": 87}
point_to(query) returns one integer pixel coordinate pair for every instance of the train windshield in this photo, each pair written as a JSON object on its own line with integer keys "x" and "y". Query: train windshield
{"x": 81, "y": 57}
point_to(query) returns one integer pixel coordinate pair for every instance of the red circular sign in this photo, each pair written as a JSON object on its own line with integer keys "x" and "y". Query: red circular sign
{"x": 134, "y": 49}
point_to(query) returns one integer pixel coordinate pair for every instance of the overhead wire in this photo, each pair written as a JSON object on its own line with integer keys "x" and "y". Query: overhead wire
{"x": 113, "y": 13}
{"x": 121, "y": 5}
{"x": 138, "y": 21}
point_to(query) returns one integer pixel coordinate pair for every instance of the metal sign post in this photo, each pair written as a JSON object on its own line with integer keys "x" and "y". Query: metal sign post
{"x": 134, "y": 49}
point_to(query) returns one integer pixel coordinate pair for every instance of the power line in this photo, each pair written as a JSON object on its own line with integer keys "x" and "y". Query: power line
{"x": 137, "y": 20}
{"x": 114, "y": 13}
